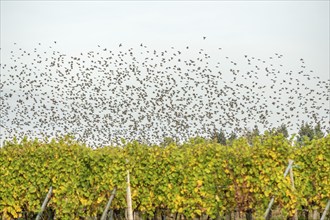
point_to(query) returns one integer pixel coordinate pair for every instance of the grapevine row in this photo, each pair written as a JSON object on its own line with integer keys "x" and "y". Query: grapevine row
{"x": 199, "y": 177}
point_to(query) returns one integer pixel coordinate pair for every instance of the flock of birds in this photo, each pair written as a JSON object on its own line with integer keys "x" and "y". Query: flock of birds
{"x": 145, "y": 94}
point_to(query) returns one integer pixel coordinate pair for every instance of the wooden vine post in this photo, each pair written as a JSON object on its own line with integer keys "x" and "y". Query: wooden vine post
{"x": 327, "y": 207}
{"x": 129, "y": 198}
{"x": 44, "y": 204}
{"x": 105, "y": 212}
{"x": 272, "y": 200}
{"x": 295, "y": 217}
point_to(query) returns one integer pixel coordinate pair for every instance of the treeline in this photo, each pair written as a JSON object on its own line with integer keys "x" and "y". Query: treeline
{"x": 198, "y": 178}
{"x": 306, "y": 132}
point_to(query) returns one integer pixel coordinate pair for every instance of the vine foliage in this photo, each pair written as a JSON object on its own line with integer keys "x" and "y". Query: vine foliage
{"x": 194, "y": 178}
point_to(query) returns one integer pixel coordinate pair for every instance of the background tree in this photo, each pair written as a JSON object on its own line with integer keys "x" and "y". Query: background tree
{"x": 307, "y": 132}
{"x": 232, "y": 136}
{"x": 219, "y": 137}
{"x": 250, "y": 134}
{"x": 280, "y": 130}
{"x": 318, "y": 133}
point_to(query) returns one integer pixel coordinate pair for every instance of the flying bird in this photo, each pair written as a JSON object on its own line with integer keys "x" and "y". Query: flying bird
{"x": 147, "y": 94}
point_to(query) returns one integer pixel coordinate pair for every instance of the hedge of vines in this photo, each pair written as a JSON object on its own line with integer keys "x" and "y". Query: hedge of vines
{"x": 194, "y": 178}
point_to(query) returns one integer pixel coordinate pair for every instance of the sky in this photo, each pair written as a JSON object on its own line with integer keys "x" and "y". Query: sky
{"x": 296, "y": 29}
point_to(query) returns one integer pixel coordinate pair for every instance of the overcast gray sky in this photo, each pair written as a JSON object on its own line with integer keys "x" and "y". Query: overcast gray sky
{"x": 293, "y": 28}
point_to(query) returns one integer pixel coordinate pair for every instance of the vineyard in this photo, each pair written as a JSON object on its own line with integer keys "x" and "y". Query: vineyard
{"x": 191, "y": 180}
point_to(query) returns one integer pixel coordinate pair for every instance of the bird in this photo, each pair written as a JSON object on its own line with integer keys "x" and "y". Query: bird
{"x": 148, "y": 93}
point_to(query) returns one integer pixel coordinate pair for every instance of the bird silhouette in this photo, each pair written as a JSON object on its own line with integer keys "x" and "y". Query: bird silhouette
{"x": 146, "y": 94}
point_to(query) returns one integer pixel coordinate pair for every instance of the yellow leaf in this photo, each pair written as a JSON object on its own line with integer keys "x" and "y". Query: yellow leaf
{"x": 12, "y": 212}
{"x": 99, "y": 200}
{"x": 134, "y": 193}
{"x": 198, "y": 212}
{"x": 267, "y": 193}
{"x": 84, "y": 201}
{"x": 320, "y": 157}
{"x": 287, "y": 192}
